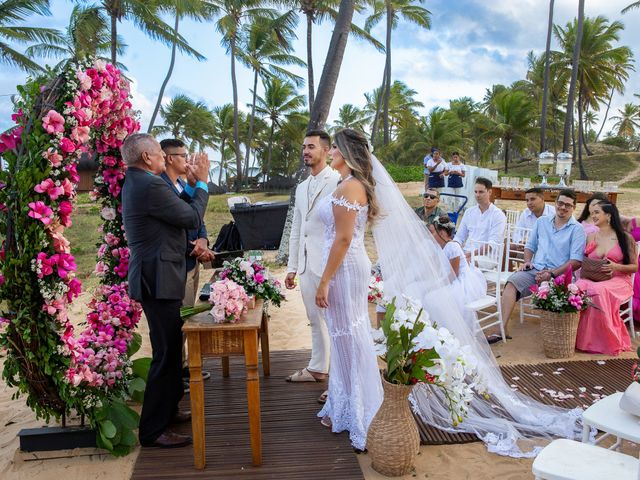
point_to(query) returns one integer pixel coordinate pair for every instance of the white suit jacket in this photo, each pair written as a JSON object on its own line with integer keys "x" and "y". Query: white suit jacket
{"x": 307, "y": 231}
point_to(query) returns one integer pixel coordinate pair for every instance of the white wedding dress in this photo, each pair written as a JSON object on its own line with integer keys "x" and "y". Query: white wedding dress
{"x": 355, "y": 388}
{"x": 413, "y": 264}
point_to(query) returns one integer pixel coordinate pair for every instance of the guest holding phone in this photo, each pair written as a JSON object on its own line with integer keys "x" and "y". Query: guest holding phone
{"x": 601, "y": 330}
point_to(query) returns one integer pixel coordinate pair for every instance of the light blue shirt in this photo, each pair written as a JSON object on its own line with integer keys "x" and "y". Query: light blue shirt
{"x": 554, "y": 247}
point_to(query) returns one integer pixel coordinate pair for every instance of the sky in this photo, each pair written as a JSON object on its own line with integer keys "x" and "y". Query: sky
{"x": 472, "y": 45}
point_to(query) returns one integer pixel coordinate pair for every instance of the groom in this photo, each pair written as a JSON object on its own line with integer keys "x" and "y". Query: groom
{"x": 305, "y": 250}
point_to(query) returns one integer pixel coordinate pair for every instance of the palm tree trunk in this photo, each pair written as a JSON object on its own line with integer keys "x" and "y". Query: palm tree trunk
{"x": 236, "y": 135}
{"x": 545, "y": 88}
{"x": 221, "y": 162}
{"x": 507, "y": 147}
{"x": 251, "y": 120}
{"x": 568, "y": 121}
{"x": 387, "y": 69}
{"x": 583, "y": 173}
{"x": 268, "y": 174}
{"x": 310, "y": 81}
{"x": 114, "y": 38}
{"x": 606, "y": 114}
{"x": 332, "y": 64}
{"x": 585, "y": 128}
{"x": 166, "y": 79}
{"x": 374, "y": 126}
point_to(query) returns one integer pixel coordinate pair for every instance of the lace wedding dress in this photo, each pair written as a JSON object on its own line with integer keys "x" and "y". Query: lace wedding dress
{"x": 355, "y": 389}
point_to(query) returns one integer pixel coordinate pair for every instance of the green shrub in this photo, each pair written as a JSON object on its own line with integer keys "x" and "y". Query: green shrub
{"x": 617, "y": 142}
{"x": 405, "y": 173}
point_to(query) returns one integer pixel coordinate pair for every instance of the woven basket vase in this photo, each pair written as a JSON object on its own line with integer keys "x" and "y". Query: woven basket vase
{"x": 393, "y": 440}
{"x": 559, "y": 333}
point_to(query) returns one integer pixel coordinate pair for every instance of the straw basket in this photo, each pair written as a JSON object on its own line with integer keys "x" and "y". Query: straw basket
{"x": 393, "y": 440}
{"x": 559, "y": 333}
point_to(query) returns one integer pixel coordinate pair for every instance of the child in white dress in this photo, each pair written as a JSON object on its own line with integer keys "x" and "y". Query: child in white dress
{"x": 469, "y": 284}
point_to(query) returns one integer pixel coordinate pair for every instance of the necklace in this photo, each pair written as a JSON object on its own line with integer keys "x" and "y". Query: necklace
{"x": 344, "y": 179}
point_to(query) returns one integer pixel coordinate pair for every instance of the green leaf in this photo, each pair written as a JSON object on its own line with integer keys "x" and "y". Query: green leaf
{"x": 108, "y": 429}
{"x": 134, "y": 346}
{"x": 124, "y": 416}
{"x": 103, "y": 441}
{"x": 128, "y": 438}
{"x": 136, "y": 384}
{"x": 141, "y": 367}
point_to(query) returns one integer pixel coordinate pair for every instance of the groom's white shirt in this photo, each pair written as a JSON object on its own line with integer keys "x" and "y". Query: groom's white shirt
{"x": 307, "y": 231}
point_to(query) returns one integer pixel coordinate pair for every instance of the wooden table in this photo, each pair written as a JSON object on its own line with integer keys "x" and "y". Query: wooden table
{"x": 550, "y": 194}
{"x": 208, "y": 339}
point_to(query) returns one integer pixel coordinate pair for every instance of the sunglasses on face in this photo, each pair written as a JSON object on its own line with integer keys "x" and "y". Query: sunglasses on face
{"x": 431, "y": 196}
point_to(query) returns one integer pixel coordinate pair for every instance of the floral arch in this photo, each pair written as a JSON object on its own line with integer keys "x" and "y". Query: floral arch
{"x": 85, "y": 110}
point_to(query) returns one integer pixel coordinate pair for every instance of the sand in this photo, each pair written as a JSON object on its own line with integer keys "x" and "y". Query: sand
{"x": 289, "y": 330}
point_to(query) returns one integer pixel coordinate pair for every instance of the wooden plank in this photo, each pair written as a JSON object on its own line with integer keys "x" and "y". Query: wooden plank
{"x": 294, "y": 444}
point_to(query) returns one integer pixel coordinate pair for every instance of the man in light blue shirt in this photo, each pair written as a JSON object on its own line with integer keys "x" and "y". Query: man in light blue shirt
{"x": 555, "y": 244}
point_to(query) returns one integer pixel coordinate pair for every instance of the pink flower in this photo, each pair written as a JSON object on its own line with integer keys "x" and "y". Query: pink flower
{"x": 40, "y": 211}
{"x": 1, "y": 279}
{"x": 64, "y": 213}
{"x": 84, "y": 80}
{"x": 73, "y": 173}
{"x": 573, "y": 288}
{"x": 10, "y": 140}
{"x": 60, "y": 243}
{"x": 111, "y": 239}
{"x": 75, "y": 288}
{"x": 53, "y": 156}
{"x": 49, "y": 187}
{"x": 65, "y": 263}
{"x": 259, "y": 278}
{"x": 80, "y": 134}
{"x": 53, "y": 122}
{"x": 67, "y": 145}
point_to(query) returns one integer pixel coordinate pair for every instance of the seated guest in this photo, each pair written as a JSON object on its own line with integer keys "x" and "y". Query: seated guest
{"x": 601, "y": 330}
{"x": 430, "y": 209}
{"x": 536, "y": 208}
{"x": 483, "y": 222}
{"x": 554, "y": 244}
{"x": 469, "y": 284}
{"x": 584, "y": 219}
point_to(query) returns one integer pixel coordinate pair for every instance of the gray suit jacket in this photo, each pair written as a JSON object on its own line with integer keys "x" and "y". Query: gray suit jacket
{"x": 156, "y": 221}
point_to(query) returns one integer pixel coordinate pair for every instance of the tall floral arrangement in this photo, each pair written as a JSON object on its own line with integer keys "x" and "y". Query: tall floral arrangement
{"x": 86, "y": 110}
{"x": 254, "y": 278}
{"x": 416, "y": 350}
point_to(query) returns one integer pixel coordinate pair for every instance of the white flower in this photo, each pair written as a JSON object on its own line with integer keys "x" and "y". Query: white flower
{"x": 426, "y": 339}
{"x": 108, "y": 213}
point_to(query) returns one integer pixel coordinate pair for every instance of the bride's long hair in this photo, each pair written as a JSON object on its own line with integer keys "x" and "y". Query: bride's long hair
{"x": 354, "y": 147}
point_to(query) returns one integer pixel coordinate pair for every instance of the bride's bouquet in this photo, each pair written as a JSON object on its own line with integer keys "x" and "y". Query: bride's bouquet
{"x": 417, "y": 351}
{"x": 229, "y": 301}
{"x": 253, "y": 277}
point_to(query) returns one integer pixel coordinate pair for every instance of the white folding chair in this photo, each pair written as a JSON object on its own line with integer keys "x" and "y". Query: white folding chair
{"x": 607, "y": 416}
{"x": 570, "y": 460}
{"x": 488, "y": 257}
{"x": 626, "y": 312}
{"x": 512, "y": 216}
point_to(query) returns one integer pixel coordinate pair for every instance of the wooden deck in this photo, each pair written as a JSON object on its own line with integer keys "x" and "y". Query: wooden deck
{"x": 543, "y": 382}
{"x": 295, "y": 445}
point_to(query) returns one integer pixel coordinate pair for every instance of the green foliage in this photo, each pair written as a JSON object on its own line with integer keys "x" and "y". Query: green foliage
{"x": 405, "y": 173}
{"x": 114, "y": 423}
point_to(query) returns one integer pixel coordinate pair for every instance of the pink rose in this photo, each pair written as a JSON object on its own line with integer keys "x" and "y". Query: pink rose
{"x": 67, "y": 146}
{"x": 53, "y": 122}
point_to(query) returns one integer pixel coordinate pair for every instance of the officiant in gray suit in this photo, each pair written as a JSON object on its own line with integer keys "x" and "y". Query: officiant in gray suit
{"x": 156, "y": 223}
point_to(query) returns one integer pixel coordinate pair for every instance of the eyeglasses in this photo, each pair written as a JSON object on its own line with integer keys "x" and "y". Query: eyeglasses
{"x": 429, "y": 195}
{"x": 564, "y": 204}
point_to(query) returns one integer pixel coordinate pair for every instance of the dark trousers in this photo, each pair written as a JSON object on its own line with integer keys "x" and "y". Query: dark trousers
{"x": 164, "y": 383}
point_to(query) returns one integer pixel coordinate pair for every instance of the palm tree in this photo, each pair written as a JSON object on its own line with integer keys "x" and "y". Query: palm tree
{"x": 631, "y": 6}
{"x": 232, "y": 15}
{"x": 402, "y": 105}
{"x": 488, "y": 104}
{"x": 183, "y": 118}
{"x": 513, "y": 124}
{"x": 196, "y": 10}
{"x": 223, "y": 127}
{"x": 442, "y": 129}
{"x": 627, "y": 121}
{"x": 350, "y": 116}
{"x": 86, "y": 35}
{"x": 280, "y": 101}
{"x": 266, "y": 47}
{"x": 14, "y": 12}
{"x": 393, "y": 10}
{"x": 545, "y": 88}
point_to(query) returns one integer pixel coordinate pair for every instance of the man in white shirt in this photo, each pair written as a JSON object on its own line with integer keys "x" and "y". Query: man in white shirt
{"x": 536, "y": 208}
{"x": 484, "y": 222}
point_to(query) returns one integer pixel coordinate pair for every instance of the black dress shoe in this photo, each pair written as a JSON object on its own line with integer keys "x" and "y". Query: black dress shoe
{"x": 170, "y": 439}
{"x": 182, "y": 416}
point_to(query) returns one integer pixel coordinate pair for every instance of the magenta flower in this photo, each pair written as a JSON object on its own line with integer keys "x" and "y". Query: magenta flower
{"x": 53, "y": 156}
{"x": 53, "y": 122}
{"x": 50, "y": 188}
{"x": 67, "y": 145}
{"x": 40, "y": 211}
{"x": 64, "y": 212}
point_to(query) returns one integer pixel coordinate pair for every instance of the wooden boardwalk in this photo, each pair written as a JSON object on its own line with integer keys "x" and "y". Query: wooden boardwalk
{"x": 295, "y": 445}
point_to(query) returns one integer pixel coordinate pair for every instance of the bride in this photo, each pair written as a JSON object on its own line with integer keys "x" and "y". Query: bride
{"x": 413, "y": 264}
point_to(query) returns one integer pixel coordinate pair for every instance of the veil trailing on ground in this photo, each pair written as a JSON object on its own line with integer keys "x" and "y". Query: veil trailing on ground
{"x": 412, "y": 263}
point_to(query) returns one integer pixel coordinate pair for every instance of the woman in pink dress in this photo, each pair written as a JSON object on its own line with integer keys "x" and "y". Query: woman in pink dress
{"x": 601, "y": 330}
{"x": 630, "y": 225}
{"x": 585, "y": 217}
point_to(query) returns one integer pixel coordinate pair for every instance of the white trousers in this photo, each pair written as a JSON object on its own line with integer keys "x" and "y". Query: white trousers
{"x": 320, "y": 345}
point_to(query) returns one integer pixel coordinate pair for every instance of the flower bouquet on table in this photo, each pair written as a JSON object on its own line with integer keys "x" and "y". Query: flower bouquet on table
{"x": 229, "y": 301}
{"x": 253, "y": 277}
{"x": 416, "y": 350}
{"x": 559, "y": 303}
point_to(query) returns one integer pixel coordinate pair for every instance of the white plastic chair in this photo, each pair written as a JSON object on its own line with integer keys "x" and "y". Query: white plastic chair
{"x": 231, "y": 201}
{"x": 512, "y": 216}
{"x": 607, "y": 416}
{"x": 488, "y": 257}
{"x": 570, "y": 460}
{"x": 626, "y": 313}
